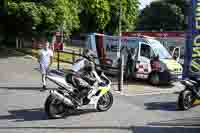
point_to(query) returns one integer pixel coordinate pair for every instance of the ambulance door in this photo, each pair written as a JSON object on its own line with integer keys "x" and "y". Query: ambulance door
{"x": 143, "y": 64}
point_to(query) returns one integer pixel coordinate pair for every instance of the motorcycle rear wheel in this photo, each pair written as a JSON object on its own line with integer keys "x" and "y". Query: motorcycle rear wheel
{"x": 55, "y": 108}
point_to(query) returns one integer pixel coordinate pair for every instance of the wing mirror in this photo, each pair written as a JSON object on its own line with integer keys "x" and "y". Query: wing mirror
{"x": 176, "y": 53}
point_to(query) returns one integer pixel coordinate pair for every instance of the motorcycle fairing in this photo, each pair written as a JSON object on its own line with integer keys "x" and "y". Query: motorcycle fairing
{"x": 58, "y": 79}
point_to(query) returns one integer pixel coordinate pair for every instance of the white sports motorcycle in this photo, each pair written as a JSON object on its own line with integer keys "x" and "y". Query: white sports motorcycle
{"x": 63, "y": 98}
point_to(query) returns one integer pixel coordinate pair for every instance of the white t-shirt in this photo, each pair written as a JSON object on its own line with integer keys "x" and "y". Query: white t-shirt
{"x": 45, "y": 56}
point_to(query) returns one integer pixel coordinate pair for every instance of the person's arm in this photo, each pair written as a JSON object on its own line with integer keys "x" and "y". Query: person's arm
{"x": 95, "y": 73}
{"x": 97, "y": 76}
{"x": 51, "y": 58}
{"x": 38, "y": 56}
{"x": 51, "y": 61}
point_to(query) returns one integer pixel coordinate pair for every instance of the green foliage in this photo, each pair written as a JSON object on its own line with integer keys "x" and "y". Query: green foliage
{"x": 180, "y": 3}
{"x": 42, "y": 16}
{"x": 66, "y": 14}
{"x": 94, "y": 15}
{"x": 103, "y": 15}
{"x": 129, "y": 13}
{"x": 36, "y": 17}
{"x": 165, "y": 15}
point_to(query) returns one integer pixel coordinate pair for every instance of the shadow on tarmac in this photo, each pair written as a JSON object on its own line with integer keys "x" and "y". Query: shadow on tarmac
{"x": 37, "y": 114}
{"x": 186, "y": 125}
{"x": 25, "y": 88}
{"x": 164, "y": 106}
{"x": 9, "y": 52}
{"x": 145, "y": 83}
{"x": 186, "y": 122}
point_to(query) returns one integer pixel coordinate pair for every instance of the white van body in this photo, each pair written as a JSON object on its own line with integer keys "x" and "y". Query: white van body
{"x": 144, "y": 48}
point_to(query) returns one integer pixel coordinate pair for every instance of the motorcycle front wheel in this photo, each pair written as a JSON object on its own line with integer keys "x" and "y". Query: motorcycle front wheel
{"x": 105, "y": 102}
{"x": 55, "y": 108}
{"x": 185, "y": 100}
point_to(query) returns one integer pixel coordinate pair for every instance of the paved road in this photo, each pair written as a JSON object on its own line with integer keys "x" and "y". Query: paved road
{"x": 22, "y": 111}
{"x": 21, "y": 108}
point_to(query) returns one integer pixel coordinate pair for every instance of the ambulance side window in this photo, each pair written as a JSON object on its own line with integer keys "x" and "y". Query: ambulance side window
{"x": 132, "y": 45}
{"x": 145, "y": 51}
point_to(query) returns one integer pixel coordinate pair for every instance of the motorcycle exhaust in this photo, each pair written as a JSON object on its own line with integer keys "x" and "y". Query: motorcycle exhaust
{"x": 62, "y": 98}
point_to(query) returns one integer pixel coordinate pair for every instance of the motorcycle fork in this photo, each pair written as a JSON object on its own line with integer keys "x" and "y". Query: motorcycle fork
{"x": 194, "y": 92}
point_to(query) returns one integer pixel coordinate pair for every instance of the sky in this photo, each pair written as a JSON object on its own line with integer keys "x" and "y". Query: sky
{"x": 144, "y": 3}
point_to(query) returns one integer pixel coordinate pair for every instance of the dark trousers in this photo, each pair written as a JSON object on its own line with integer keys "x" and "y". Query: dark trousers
{"x": 79, "y": 83}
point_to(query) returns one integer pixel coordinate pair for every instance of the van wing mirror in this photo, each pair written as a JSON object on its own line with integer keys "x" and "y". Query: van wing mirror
{"x": 176, "y": 53}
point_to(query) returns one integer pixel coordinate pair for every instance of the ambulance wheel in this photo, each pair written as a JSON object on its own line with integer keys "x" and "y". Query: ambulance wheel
{"x": 154, "y": 78}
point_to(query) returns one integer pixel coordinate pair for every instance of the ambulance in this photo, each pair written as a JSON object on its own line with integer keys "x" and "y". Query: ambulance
{"x": 143, "y": 49}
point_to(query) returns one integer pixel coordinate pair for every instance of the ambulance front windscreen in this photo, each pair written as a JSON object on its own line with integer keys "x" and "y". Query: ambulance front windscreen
{"x": 159, "y": 49}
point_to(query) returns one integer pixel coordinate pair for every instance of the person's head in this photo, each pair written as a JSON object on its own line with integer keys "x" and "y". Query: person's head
{"x": 89, "y": 54}
{"x": 156, "y": 57}
{"x": 46, "y": 45}
{"x": 128, "y": 50}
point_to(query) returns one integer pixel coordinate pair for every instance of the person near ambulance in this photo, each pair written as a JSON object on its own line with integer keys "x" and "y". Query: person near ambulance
{"x": 130, "y": 63}
{"x": 45, "y": 59}
{"x": 155, "y": 63}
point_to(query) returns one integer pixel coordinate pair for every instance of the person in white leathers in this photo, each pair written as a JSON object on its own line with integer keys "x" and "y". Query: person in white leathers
{"x": 45, "y": 60}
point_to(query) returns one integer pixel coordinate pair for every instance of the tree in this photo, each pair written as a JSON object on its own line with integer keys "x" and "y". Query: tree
{"x": 66, "y": 14}
{"x": 42, "y": 15}
{"x": 128, "y": 16}
{"x": 103, "y": 15}
{"x": 22, "y": 17}
{"x": 161, "y": 16}
{"x": 32, "y": 17}
{"x": 94, "y": 15}
{"x": 180, "y": 3}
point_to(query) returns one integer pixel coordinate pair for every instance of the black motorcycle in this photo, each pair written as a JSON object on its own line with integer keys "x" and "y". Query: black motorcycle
{"x": 191, "y": 93}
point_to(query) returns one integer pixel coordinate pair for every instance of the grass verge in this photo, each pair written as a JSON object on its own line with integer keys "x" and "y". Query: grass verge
{"x": 35, "y": 52}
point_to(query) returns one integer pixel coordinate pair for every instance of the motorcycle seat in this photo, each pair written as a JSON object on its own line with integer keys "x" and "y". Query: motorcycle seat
{"x": 56, "y": 73}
